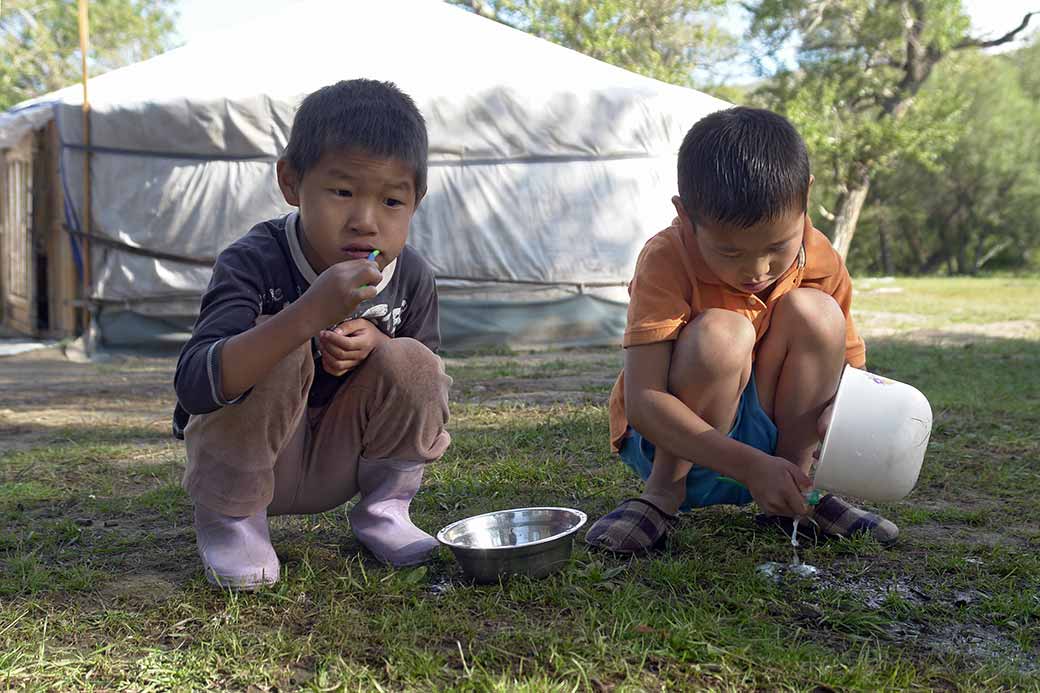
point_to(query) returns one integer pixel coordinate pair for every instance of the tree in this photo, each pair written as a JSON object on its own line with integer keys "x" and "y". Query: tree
{"x": 663, "y": 39}
{"x": 975, "y": 206}
{"x": 861, "y": 64}
{"x": 39, "y": 41}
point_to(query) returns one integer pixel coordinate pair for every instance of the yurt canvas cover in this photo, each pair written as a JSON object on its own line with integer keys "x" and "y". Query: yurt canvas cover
{"x": 548, "y": 169}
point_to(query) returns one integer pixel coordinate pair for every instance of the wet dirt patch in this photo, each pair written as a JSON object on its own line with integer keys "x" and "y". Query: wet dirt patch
{"x": 875, "y": 592}
{"x": 888, "y": 595}
{"x": 986, "y": 644}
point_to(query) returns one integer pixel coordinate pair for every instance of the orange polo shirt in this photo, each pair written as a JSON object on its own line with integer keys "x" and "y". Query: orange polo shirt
{"x": 672, "y": 285}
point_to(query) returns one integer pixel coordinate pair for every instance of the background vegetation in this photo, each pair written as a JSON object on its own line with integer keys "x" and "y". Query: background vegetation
{"x": 924, "y": 145}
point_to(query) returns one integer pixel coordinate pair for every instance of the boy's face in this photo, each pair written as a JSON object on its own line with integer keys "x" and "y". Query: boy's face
{"x": 751, "y": 259}
{"x": 350, "y": 204}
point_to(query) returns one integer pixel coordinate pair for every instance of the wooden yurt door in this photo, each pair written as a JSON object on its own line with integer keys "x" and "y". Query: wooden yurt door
{"x": 17, "y": 261}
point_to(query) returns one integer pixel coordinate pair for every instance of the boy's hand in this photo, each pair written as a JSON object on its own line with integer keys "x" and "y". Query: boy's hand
{"x": 348, "y": 344}
{"x": 777, "y": 486}
{"x": 339, "y": 289}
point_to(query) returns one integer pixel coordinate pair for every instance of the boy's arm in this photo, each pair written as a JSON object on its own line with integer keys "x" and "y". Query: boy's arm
{"x": 247, "y": 357}
{"x": 231, "y": 305}
{"x": 663, "y": 418}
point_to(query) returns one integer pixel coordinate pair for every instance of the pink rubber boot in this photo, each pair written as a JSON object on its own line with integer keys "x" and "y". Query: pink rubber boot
{"x": 380, "y": 519}
{"x": 236, "y": 551}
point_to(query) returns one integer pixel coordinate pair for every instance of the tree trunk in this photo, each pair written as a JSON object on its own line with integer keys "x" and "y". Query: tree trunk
{"x": 964, "y": 241}
{"x": 914, "y": 241}
{"x": 886, "y": 252}
{"x": 847, "y": 216}
{"x": 932, "y": 262}
{"x": 948, "y": 247}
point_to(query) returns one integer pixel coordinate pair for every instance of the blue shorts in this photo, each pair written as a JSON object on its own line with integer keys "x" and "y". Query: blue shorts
{"x": 704, "y": 486}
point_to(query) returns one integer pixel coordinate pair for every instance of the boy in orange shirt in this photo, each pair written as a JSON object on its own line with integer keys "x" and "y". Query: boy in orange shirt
{"x": 738, "y": 330}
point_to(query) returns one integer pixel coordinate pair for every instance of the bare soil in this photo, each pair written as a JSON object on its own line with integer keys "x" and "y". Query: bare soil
{"x": 43, "y": 392}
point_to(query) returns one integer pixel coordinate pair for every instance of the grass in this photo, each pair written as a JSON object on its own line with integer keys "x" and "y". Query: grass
{"x": 914, "y": 303}
{"x": 100, "y": 587}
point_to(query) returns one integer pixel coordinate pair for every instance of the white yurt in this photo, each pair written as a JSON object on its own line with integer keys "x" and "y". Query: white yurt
{"x": 548, "y": 169}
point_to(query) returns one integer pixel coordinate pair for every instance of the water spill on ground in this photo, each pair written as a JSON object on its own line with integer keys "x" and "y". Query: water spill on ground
{"x": 794, "y": 543}
{"x": 777, "y": 571}
{"x": 441, "y": 587}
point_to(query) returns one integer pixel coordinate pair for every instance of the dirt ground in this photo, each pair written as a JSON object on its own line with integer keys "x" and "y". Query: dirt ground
{"x": 42, "y": 391}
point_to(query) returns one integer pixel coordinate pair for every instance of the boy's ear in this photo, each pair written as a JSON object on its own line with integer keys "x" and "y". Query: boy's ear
{"x": 680, "y": 211}
{"x": 289, "y": 182}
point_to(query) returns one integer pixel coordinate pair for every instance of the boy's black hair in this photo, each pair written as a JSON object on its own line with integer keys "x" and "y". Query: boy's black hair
{"x": 742, "y": 166}
{"x": 374, "y": 117}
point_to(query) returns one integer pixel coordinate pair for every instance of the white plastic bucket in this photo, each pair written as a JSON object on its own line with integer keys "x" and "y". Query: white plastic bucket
{"x": 876, "y": 440}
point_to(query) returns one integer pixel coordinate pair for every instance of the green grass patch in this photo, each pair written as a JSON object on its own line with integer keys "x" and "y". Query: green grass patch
{"x": 932, "y": 302}
{"x": 100, "y": 586}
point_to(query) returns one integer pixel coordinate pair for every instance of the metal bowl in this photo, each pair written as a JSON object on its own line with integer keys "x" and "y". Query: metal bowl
{"x": 522, "y": 541}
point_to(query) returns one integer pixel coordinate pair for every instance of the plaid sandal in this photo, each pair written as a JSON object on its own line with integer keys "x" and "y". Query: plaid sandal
{"x": 836, "y": 517}
{"x": 635, "y": 526}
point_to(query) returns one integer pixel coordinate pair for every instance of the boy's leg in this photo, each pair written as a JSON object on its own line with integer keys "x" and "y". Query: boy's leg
{"x": 710, "y": 366}
{"x": 376, "y": 437}
{"x": 232, "y": 455}
{"x": 797, "y": 370}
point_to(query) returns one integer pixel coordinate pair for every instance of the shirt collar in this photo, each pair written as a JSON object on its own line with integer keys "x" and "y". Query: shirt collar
{"x": 304, "y": 266}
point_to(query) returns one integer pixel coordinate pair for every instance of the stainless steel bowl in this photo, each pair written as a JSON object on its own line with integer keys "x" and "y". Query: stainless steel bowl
{"x": 522, "y": 541}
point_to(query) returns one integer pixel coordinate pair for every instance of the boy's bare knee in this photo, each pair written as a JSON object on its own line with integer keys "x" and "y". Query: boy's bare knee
{"x": 813, "y": 314}
{"x": 717, "y": 343}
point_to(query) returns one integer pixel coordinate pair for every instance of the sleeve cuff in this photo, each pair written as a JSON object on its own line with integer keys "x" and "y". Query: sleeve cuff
{"x": 649, "y": 335}
{"x": 213, "y": 372}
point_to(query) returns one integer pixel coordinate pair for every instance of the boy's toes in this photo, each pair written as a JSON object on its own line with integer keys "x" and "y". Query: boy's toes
{"x": 834, "y": 515}
{"x": 635, "y": 526}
